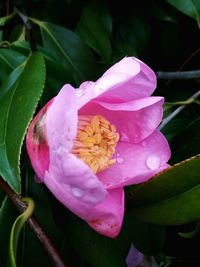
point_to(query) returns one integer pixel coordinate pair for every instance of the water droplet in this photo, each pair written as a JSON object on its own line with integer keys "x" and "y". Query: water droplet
{"x": 79, "y": 92}
{"x": 77, "y": 192}
{"x": 120, "y": 160}
{"x": 124, "y": 137}
{"x": 59, "y": 150}
{"x": 98, "y": 90}
{"x": 135, "y": 138}
{"x": 144, "y": 143}
{"x": 153, "y": 162}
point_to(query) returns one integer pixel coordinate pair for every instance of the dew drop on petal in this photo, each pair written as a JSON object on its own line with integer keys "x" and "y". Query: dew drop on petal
{"x": 153, "y": 162}
{"x": 120, "y": 160}
{"x": 97, "y": 90}
{"x": 77, "y": 192}
{"x": 59, "y": 150}
{"x": 108, "y": 184}
{"x": 144, "y": 143}
{"x": 136, "y": 138}
{"x": 124, "y": 137}
{"x": 79, "y": 92}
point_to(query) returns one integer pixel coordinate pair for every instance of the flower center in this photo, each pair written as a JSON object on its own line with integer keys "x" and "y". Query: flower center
{"x": 95, "y": 142}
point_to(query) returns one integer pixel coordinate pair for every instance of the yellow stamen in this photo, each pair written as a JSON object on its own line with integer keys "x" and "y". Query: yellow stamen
{"x": 95, "y": 142}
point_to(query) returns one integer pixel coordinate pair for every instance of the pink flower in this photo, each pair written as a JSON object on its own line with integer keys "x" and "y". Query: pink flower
{"x": 87, "y": 144}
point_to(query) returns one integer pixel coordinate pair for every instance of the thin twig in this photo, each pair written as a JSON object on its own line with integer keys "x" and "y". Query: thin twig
{"x": 178, "y": 110}
{"x": 28, "y": 25}
{"x": 189, "y": 59}
{"x": 34, "y": 225}
{"x": 178, "y": 75}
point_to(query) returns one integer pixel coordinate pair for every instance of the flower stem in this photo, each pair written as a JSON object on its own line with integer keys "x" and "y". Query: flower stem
{"x": 178, "y": 110}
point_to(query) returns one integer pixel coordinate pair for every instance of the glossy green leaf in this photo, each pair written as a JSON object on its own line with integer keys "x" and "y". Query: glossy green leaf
{"x": 123, "y": 48}
{"x": 96, "y": 249}
{"x": 172, "y": 197}
{"x": 193, "y": 233}
{"x": 135, "y": 32}
{"x": 53, "y": 67}
{"x": 160, "y": 13}
{"x": 94, "y": 27}
{"x": 11, "y": 80}
{"x": 9, "y": 60}
{"x": 3, "y": 20}
{"x": 16, "y": 108}
{"x": 68, "y": 50}
{"x": 20, "y": 46}
{"x": 16, "y": 229}
{"x": 175, "y": 180}
{"x": 188, "y": 7}
{"x": 18, "y": 33}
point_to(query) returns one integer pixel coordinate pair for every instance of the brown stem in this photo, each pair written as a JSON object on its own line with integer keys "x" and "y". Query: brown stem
{"x": 29, "y": 27}
{"x": 34, "y": 225}
{"x": 178, "y": 75}
{"x": 189, "y": 59}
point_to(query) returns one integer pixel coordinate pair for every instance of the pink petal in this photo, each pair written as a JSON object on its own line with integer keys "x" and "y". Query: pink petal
{"x": 142, "y": 82}
{"x": 106, "y": 217}
{"x": 137, "y": 163}
{"x": 61, "y": 127}
{"x": 36, "y": 143}
{"x": 61, "y": 120}
{"x": 134, "y": 120}
{"x": 81, "y": 181}
{"x": 127, "y": 80}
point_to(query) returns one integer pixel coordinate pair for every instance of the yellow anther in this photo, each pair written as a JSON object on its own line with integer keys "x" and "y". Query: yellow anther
{"x": 95, "y": 142}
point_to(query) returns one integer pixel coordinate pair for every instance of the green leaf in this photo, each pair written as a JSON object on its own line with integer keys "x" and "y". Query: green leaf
{"x": 172, "y": 197}
{"x": 16, "y": 229}
{"x": 96, "y": 249}
{"x": 188, "y": 7}
{"x": 11, "y": 80}
{"x": 160, "y": 13}
{"x": 12, "y": 58}
{"x": 53, "y": 67}
{"x": 21, "y": 46}
{"x": 3, "y": 20}
{"x": 68, "y": 50}
{"x": 94, "y": 27}
{"x": 17, "y": 106}
{"x": 193, "y": 233}
{"x": 9, "y": 60}
{"x": 175, "y": 180}
{"x": 135, "y": 31}
{"x": 121, "y": 49}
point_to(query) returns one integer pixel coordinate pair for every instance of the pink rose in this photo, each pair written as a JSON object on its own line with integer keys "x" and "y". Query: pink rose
{"x": 87, "y": 144}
